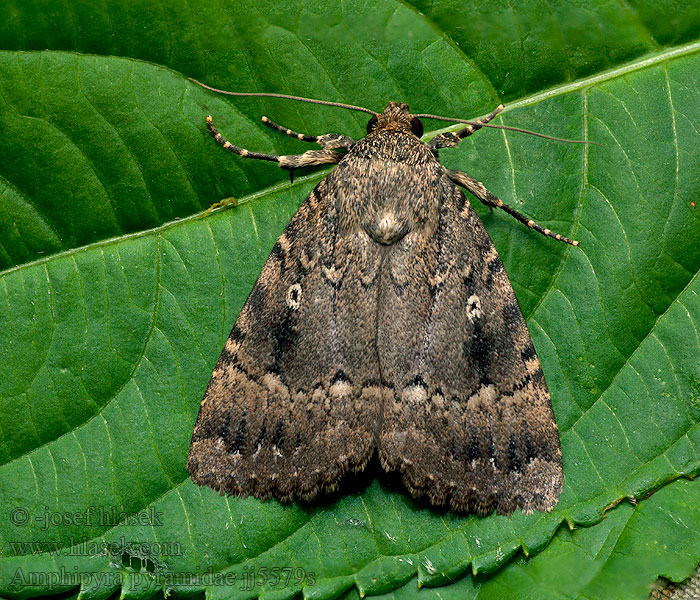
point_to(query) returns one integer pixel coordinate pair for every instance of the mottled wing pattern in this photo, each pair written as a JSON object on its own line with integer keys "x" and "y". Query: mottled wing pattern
{"x": 470, "y": 424}
{"x": 294, "y": 400}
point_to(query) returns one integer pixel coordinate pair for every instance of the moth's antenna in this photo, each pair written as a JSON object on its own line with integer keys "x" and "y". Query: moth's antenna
{"x": 508, "y": 127}
{"x": 269, "y": 95}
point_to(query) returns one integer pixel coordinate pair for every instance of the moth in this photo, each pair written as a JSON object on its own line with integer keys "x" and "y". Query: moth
{"x": 383, "y": 321}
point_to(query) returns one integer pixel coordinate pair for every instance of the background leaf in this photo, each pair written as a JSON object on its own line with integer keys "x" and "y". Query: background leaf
{"x": 113, "y": 312}
{"x": 594, "y": 562}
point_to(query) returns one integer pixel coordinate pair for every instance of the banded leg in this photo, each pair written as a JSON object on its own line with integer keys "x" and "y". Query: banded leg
{"x": 291, "y": 162}
{"x": 328, "y": 141}
{"x": 450, "y": 140}
{"x": 477, "y": 189}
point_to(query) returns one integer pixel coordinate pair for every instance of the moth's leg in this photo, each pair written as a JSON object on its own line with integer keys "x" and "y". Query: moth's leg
{"x": 477, "y": 189}
{"x": 449, "y": 140}
{"x": 328, "y": 141}
{"x": 291, "y": 162}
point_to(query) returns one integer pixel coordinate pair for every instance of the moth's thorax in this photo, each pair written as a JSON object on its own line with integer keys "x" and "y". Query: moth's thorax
{"x": 393, "y": 145}
{"x": 388, "y": 185}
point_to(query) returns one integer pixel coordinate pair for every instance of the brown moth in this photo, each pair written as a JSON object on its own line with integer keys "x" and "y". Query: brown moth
{"x": 383, "y": 321}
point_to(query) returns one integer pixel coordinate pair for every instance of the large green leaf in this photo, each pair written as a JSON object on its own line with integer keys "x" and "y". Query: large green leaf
{"x": 439, "y": 57}
{"x": 594, "y": 563}
{"x": 112, "y": 313}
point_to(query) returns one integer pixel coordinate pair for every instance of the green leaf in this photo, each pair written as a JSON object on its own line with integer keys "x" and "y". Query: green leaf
{"x": 118, "y": 292}
{"x": 439, "y": 57}
{"x": 619, "y": 558}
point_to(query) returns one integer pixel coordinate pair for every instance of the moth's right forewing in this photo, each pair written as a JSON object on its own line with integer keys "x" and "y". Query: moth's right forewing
{"x": 294, "y": 400}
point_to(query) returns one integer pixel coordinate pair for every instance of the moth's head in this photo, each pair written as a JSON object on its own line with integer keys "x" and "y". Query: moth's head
{"x": 396, "y": 117}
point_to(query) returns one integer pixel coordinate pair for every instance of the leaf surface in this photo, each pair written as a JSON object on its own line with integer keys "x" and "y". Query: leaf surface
{"x": 118, "y": 291}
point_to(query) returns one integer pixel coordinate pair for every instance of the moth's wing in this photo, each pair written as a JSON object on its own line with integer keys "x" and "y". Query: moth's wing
{"x": 294, "y": 401}
{"x": 471, "y": 423}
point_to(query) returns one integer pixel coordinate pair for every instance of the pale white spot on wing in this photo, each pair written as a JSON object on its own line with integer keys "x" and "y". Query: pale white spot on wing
{"x": 473, "y": 307}
{"x": 233, "y": 346}
{"x": 332, "y": 274}
{"x": 484, "y": 399}
{"x": 273, "y": 383}
{"x": 340, "y": 389}
{"x": 414, "y": 394}
{"x": 293, "y": 296}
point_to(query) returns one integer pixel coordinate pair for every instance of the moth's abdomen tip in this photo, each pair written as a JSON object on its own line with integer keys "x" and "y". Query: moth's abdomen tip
{"x": 264, "y": 119}
{"x": 500, "y": 107}
{"x": 575, "y": 243}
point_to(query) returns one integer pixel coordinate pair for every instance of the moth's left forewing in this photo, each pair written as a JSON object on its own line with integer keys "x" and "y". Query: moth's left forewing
{"x": 471, "y": 423}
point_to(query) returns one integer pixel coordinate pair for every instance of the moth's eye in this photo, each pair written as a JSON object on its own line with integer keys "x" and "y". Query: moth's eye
{"x": 371, "y": 125}
{"x": 416, "y": 127}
